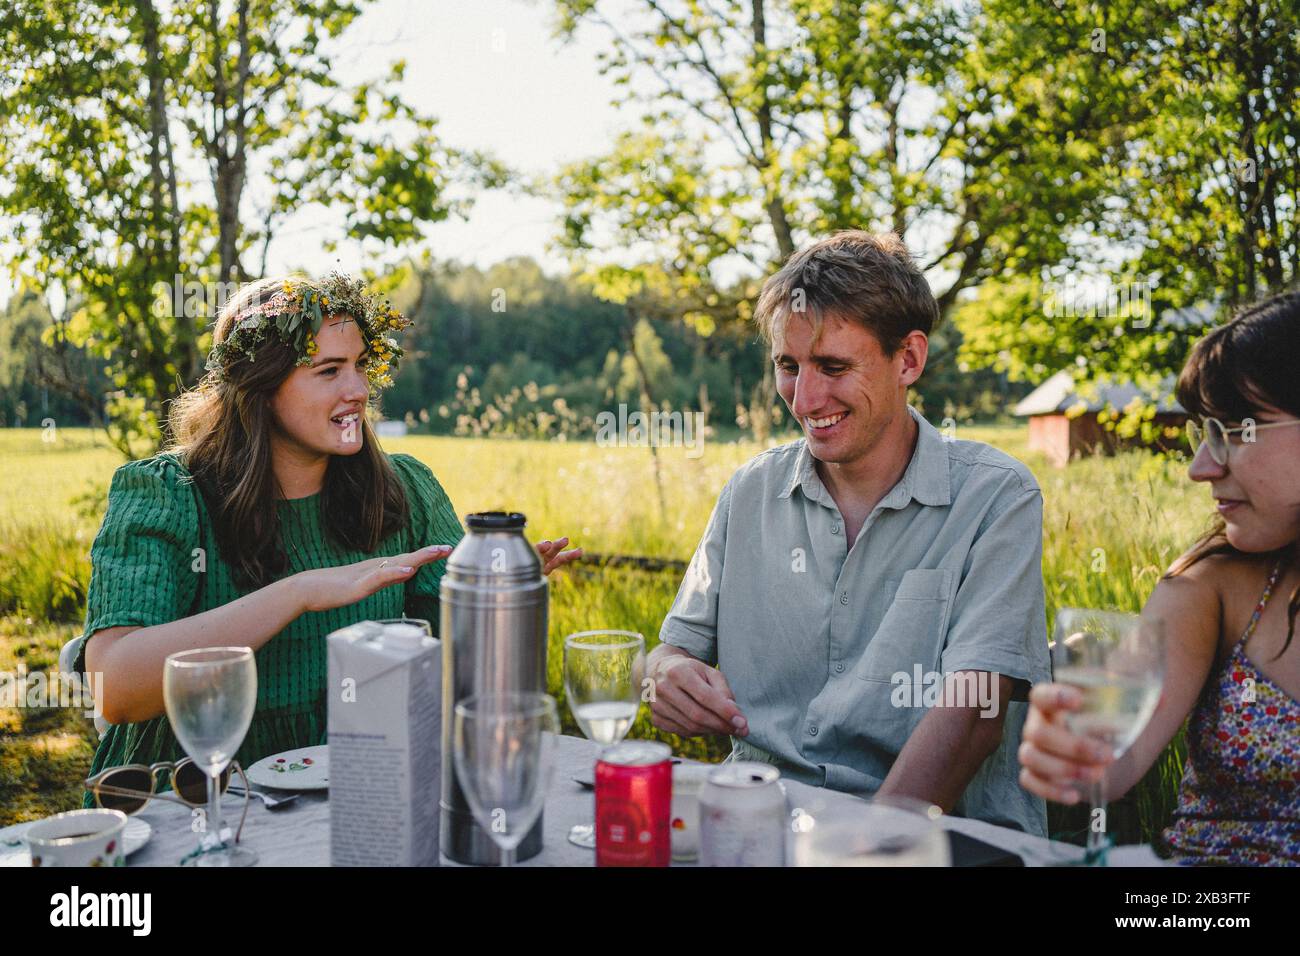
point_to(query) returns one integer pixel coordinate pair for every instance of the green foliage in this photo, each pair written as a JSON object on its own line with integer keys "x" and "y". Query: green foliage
{"x": 107, "y": 103}
{"x": 45, "y": 752}
{"x": 1010, "y": 144}
{"x": 44, "y": 570}
{"x": 32, "y": 376}
{"x": 1198, "y": 173}
{"x": 510, "y": 330}
{"x": 951, "y": 127}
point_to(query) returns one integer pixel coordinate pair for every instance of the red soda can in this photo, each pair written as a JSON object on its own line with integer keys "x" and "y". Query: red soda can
{"x": 634, "y": 798}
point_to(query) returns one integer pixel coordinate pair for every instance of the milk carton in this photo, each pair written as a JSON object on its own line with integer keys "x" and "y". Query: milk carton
{"x": 385, "y": 740}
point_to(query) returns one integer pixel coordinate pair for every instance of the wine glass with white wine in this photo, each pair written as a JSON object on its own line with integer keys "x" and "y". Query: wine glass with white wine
{"x": 210, "y": 695}
{"x": 1117, "y": 661}
{"x": 603, "y": 671}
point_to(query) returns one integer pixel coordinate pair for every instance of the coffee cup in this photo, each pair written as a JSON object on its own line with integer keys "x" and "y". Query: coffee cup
{"x": 79, "y": 838}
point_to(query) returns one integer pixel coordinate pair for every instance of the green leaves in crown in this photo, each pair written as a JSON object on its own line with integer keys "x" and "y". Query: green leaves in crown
{"x": 297, "y": 313}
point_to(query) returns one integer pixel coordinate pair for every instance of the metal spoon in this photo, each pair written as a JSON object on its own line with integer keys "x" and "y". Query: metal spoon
{"x": 268, "y": 801}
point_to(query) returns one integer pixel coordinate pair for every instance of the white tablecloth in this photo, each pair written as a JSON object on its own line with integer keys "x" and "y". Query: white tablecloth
{"x": 298, "y": 835}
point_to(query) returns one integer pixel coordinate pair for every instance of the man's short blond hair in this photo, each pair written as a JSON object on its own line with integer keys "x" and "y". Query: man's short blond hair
{"x": 858, "y": 276}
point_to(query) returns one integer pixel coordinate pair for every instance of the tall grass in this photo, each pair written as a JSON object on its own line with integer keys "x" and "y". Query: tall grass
{"x": 1110, "y": 528}
{"x": 44, "y": 751}
{"x": 44, "y": 569}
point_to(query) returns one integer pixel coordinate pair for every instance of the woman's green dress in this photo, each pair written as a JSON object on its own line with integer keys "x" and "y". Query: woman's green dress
{"x": 156, "y": 559}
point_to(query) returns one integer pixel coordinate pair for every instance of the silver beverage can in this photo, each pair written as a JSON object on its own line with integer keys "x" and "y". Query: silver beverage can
{"x": 743, "y": 816}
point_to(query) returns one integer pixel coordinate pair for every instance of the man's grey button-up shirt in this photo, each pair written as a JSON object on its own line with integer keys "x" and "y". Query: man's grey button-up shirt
{"x": 828, "y": 648}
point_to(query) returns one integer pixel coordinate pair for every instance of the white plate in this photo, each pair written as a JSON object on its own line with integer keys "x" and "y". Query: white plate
{"x": 305, "y": 769}
{"x": 13, "y": 848}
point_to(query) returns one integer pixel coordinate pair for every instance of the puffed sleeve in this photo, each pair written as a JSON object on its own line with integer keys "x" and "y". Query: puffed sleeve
{"x": 145, "y": 566}
{"x": 433, "y": 521}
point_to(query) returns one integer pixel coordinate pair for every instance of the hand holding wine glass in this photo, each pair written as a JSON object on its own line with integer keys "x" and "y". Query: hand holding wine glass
{"x": 1055, "y": 761}
{"x": 1108, "y": 668}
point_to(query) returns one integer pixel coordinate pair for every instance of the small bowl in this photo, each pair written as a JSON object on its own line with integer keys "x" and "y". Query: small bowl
{"x": 79, "y": 838}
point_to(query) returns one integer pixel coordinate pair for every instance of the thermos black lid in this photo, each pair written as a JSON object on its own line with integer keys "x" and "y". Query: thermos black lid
{"x": 496, "y": 521}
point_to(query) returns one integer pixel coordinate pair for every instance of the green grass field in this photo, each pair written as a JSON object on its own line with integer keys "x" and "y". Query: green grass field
{"x": 1111, "y": 525}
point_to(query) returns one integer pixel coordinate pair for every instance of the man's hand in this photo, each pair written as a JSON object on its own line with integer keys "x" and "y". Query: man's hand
{"x": 690, "y": 697}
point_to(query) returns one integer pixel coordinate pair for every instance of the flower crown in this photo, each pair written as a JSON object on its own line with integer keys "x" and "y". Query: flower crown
{"x": 295, "y": 313}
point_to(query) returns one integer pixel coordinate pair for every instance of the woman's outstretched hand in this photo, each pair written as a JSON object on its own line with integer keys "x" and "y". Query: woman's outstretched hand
{"x": 553, "y": 557}
{"x": 326, "y": 588}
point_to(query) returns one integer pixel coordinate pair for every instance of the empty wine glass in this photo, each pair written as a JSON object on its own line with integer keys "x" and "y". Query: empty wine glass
{"x": 210, "y": 695}
{"x": 504, "y": 753}
{"x": 1117, "y": 661}
{"x": 603, "y": 671}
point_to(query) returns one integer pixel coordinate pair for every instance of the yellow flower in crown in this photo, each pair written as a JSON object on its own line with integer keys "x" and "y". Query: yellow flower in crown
{"x": 294, "y": 316}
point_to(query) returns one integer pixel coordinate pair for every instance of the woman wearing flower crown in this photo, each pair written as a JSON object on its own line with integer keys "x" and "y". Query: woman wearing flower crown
{"x": 272, "y": 519}
{"x": 1229, "y": 607}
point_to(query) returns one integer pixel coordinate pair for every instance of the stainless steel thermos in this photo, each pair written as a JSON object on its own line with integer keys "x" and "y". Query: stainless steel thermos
{"x": 493, "y": 628}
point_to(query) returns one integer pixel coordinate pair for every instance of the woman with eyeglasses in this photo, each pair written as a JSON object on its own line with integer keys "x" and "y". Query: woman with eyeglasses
{"x": 273, "y": 519}
{"x": 1229, "y": 609}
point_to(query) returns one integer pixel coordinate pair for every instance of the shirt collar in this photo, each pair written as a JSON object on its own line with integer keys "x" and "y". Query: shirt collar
{"x": 926, "y": 479}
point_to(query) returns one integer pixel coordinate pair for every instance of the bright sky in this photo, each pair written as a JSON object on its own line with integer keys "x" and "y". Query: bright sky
{"x": 497, "y": 81}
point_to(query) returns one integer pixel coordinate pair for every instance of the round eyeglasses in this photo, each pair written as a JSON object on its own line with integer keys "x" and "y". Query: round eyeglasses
{"x": 1215, "y": 435}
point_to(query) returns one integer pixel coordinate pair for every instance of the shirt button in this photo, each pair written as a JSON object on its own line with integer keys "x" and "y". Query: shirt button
{"x": 835, "y": 529}
{"x": 839, "y": 667}
{"x": 844, "y": 597}
{"x": 813, "y": 730}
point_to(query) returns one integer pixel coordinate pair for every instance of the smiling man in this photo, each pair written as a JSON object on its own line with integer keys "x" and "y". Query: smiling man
{"x": 840, "y": 570}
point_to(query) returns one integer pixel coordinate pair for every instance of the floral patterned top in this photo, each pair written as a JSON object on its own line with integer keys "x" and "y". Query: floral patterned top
{"x": 1239, "y": 803}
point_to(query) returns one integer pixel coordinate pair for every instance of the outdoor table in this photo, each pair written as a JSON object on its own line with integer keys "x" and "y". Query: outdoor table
{"x": 299, "y": 834}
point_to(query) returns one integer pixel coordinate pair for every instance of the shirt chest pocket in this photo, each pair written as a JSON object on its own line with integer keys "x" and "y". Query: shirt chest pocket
{"x": 913, "y": 630}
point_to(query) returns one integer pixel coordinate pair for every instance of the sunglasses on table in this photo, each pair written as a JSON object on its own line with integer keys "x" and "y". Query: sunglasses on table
{"x": 129, "y": 788}
{"x": 1215, "y": 435}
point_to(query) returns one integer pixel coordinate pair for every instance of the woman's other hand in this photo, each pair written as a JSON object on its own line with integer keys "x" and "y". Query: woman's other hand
{"x": 552, "y": 555}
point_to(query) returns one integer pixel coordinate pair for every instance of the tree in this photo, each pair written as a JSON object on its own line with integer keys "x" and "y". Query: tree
{"x": 110, "y": 107}
{"x": 1202, "y": 207}
{"x": 1213, "y": 180}
{"x": 768, "y": 123}
{"x": 39, "y": 383}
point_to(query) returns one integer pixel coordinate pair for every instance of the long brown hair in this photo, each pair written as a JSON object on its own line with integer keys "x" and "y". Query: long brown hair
{"x": 221, "y": 430}
{"x": 1231, "y": 372}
